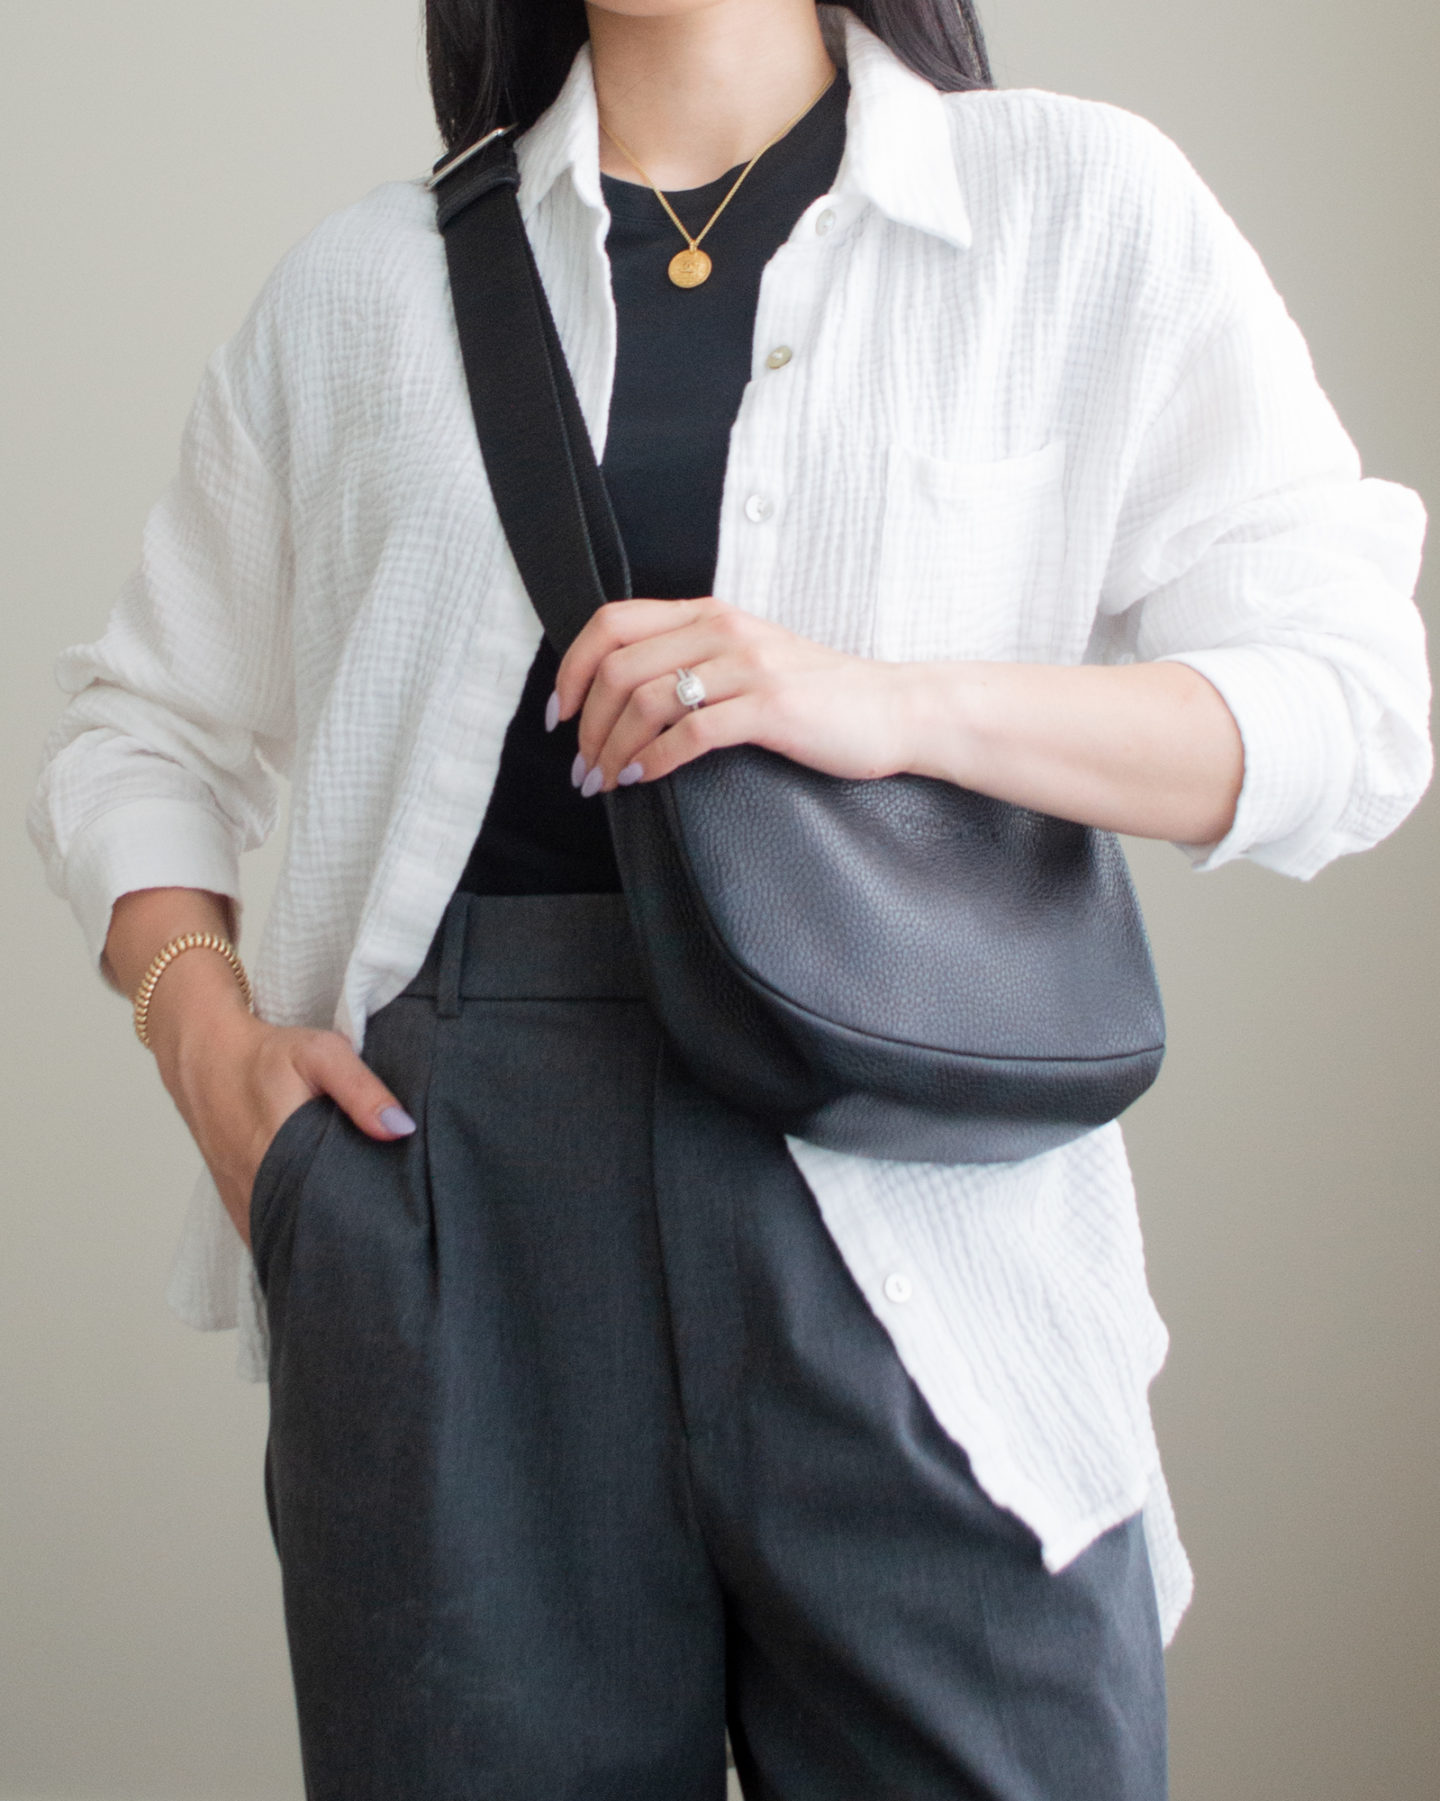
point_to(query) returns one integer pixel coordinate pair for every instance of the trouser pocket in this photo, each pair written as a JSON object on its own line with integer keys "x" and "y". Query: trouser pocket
{"x": 281, "y": 1176}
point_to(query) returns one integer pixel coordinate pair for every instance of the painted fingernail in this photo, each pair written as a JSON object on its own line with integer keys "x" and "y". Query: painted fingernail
{"x": 552, "y": 712}
{"x": 632, "y": 772}
{"x": 593, "y": 783}
{"x": 397, "y": 1120}
{"x": 577, "y": 770}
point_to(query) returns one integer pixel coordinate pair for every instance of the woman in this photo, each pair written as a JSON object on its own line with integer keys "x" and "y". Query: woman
{"x": 602, "y": 1416}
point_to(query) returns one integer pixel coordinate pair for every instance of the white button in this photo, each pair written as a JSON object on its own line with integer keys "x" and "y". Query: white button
{"x": 778, "y": 357}
{"x": 823, "y": 221}
{"x": 898, "y": 1288}
{"x": 758, "y": 508}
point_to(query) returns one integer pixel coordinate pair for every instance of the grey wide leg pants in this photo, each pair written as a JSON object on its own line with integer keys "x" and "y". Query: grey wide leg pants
{"x": 584, "y": 1443}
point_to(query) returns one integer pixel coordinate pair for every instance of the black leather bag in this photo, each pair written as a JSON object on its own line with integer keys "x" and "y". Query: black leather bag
{"x": 899, "y": 968}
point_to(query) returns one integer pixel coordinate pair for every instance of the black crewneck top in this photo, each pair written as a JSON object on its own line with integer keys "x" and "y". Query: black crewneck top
{"x": 681, "y": 366}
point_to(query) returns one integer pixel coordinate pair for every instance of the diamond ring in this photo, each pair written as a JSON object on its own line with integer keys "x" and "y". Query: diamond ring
{"x": 689, "y": 689}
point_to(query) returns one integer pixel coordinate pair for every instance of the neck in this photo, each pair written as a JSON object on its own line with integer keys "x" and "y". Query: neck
{"x": 696, "y": 89}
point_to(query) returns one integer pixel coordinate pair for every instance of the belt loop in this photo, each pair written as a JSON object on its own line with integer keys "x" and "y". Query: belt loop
{"x": 452, "y": 957}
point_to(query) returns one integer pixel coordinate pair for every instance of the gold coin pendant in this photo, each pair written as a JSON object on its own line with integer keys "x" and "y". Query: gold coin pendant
{"x": 688, "y": 268}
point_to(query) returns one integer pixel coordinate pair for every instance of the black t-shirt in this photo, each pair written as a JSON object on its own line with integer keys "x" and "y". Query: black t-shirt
{"x": 682, "y": 363}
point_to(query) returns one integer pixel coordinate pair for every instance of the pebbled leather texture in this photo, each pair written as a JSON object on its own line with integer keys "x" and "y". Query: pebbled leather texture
{"x": 897, "y": 968}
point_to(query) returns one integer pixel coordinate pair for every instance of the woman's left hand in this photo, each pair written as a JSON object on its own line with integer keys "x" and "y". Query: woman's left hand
{"x": 844, "y": 715}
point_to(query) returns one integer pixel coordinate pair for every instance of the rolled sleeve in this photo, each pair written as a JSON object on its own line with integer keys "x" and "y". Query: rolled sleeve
{"x": 162, "y": 767}
{"x": 1250, "y": 547}
{"x": 1299, "y": 756}
{"x": 147, "y": 844}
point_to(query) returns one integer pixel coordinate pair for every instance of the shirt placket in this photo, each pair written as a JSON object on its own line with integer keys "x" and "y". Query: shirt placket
{"x": 762, "y": 469}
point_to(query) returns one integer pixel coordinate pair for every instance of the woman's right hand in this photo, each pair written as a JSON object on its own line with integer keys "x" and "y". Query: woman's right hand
{"x": 235, "y": 1078}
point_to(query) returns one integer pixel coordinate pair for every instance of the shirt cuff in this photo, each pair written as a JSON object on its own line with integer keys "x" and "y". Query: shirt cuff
{"x": 1299, "y": 743}
{"x": 147, "y": 844}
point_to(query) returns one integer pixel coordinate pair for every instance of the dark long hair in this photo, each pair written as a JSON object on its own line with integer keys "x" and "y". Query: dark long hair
{"x": 501, "y": 62}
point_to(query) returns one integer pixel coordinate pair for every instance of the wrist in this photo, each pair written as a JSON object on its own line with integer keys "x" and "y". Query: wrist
{"x": 942, "y": 704}
{"x": 196, "y": 1001}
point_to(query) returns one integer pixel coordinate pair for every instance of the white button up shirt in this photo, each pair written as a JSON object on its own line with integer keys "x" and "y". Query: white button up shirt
{"x": 1040, "y": 403}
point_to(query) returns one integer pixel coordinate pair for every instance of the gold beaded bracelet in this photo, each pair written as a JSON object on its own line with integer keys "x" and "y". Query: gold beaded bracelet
{"x": 192, "y": 941}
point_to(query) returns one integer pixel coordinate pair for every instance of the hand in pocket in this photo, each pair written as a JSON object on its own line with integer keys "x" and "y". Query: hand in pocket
{"x": 239, "y": 1080}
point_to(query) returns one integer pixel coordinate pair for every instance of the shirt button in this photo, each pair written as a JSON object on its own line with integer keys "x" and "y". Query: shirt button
{"x": 823, "y": 222}
{"x": 778, "y": 357}
{"x": 898, "y": 1288}
{"x": 758, "y": 508}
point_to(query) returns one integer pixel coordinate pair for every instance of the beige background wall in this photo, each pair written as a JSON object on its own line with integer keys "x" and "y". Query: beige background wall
{"x": 159, "y": 156}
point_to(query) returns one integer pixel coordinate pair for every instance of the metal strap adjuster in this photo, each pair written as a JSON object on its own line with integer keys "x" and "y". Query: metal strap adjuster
{"x": 452, "y": 163}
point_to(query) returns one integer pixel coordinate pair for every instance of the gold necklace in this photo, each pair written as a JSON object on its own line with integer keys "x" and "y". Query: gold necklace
{"x": 691, "y": 266}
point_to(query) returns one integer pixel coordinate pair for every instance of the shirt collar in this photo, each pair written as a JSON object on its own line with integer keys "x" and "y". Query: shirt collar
{"x": 898, "y": 152}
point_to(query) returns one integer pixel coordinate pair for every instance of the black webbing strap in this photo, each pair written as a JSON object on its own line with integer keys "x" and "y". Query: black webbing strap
{"x": 547, "y": 487}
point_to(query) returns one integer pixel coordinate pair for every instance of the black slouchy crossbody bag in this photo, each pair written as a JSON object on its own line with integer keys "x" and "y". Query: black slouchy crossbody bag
{"x": 899, "y": 968}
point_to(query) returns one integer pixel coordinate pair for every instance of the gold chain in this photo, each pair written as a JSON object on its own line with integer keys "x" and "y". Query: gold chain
{"x": 689, "y": 267}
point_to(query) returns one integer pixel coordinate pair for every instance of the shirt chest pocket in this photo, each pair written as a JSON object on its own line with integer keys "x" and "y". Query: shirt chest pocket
{"x": 971, "y": 556}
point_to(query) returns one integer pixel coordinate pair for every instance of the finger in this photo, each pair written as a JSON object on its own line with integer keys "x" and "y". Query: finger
{"x": 655, "y": 707}
{"x": 707, "y": 728}
{"x": 333, "y": 1067}
{"x": 610, "y": 628}
{"x": 624, "y": 672}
